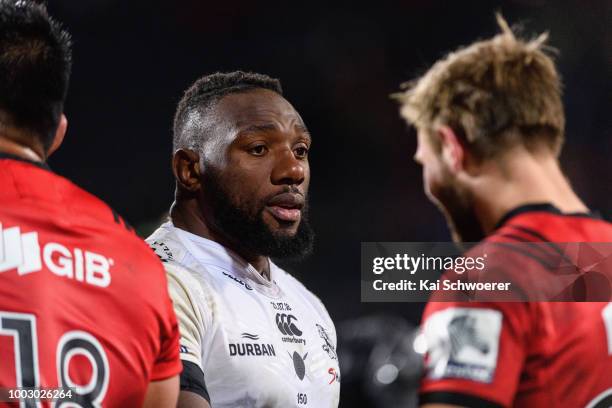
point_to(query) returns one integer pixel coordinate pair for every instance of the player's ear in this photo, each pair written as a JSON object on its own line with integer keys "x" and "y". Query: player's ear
{"x": 186, "y": 169}
{"x": 453, "y": 151}
{"x": 59, "y": 135}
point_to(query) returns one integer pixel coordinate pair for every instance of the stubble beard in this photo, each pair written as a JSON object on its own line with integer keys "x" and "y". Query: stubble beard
{"x": 457, "y": 205}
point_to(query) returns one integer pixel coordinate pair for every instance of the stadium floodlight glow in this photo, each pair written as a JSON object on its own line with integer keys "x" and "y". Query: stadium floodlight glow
{"x": 387, "y": 373}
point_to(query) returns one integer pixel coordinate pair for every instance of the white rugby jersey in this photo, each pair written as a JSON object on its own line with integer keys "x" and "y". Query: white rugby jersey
{"x": 260, "y": 343}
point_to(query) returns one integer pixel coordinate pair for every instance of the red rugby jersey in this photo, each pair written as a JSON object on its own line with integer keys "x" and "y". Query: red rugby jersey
{"x": 538, "y": 354}
{"x": 83, "y": 301}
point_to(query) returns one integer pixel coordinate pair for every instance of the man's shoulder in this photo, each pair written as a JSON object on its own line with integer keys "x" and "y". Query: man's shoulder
{"x": 174, "y": 255}
{"x": 556, "y": 227}
{"x": 183, "y": 272}
{"x": 166, "y": 244}
{"x": 68, "y": 218}
{"x": 35, "y": 188}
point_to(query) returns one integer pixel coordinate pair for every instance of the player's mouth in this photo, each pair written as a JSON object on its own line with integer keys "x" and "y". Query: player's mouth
{"x": 286, "y": 207}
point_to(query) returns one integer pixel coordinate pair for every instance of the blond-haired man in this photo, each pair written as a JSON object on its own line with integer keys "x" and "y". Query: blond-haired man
{"x": 490, "y": 128}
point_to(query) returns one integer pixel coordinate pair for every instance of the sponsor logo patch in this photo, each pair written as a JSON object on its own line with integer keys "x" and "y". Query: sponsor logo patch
{"x": 235, "y": 279}
{"x": 251, "y": 349}
{"x": 335, "y": 375}
{"x": 286, "y": 324}
{"x": 162, "y": 251}
{"x": 22, "y": 251}
{"x": 298, "y": 364}
{"x": 463, "y": 343}
{"x": 249, "y": 336}
{"x": 327, "y": 345}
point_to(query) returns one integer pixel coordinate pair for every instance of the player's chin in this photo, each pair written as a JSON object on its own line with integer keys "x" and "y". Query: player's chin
{"x": 435, "y": 200}
{"x": 442, "y": 196}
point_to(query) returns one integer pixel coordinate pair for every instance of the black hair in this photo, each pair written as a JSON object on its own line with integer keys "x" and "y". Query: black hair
{"x": 206, "y": 91}
{"x": 35, "y": 64}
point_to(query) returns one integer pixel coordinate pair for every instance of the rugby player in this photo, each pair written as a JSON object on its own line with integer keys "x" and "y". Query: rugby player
{"x": 490, "y": 128}
{"x": 84, "y": 308}
{"x": 251, "y": 334}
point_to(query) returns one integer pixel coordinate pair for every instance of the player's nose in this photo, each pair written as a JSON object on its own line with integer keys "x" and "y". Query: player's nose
{"x": 418, "y": 155}
{"x": 288, "y": 169}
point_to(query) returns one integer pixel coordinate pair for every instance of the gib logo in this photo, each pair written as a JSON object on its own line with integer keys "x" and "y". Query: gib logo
{"x": 23, "y": 252}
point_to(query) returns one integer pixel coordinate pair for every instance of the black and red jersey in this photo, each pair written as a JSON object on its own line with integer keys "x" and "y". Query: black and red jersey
{"x": 83, "y": 301}
{"x": 523, "y": 354}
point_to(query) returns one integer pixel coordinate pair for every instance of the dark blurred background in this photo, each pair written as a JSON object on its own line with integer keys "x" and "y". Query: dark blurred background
{"x": 338, "y": 63}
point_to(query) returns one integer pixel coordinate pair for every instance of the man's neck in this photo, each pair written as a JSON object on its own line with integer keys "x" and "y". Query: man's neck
{"x": 13, "y": 143}
{"x": 186, "y": 215}
{"x": 522, "y": 178}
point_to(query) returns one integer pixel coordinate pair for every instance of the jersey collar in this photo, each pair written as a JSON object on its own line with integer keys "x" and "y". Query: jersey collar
{"x": 542, "y": 207}
{"x": 208, "y": 252}
{"x": 9, "y": 156}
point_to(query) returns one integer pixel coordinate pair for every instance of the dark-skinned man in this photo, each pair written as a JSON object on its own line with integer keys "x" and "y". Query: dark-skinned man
{"x": 251, "y": 334}
{"x": 83, "y": 302}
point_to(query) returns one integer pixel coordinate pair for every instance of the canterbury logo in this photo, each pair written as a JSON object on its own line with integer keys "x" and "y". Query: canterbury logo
{"x": 286, "y": 326}
{"x": 20, "y": 251}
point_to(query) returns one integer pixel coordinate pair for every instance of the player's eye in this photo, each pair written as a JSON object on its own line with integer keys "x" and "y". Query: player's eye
{"x": 258, "y": 150}
{"x": 301, "y": 152}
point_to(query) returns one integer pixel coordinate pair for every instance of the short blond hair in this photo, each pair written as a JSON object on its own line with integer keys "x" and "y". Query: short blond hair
{"x": 495, "y": 92}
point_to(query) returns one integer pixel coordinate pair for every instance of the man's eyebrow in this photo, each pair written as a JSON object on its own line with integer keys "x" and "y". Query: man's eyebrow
{"x": 267, "y": 127}
{"x": 302, "y": 128}
{"x": 258, "y": 128}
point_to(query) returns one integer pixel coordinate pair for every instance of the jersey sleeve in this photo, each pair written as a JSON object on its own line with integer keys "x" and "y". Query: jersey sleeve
{"x": 168, "y": 363}
{"x": 191, "y": 320}
{"x": 194, "y": 319}
{"x": 475, "y": 352}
